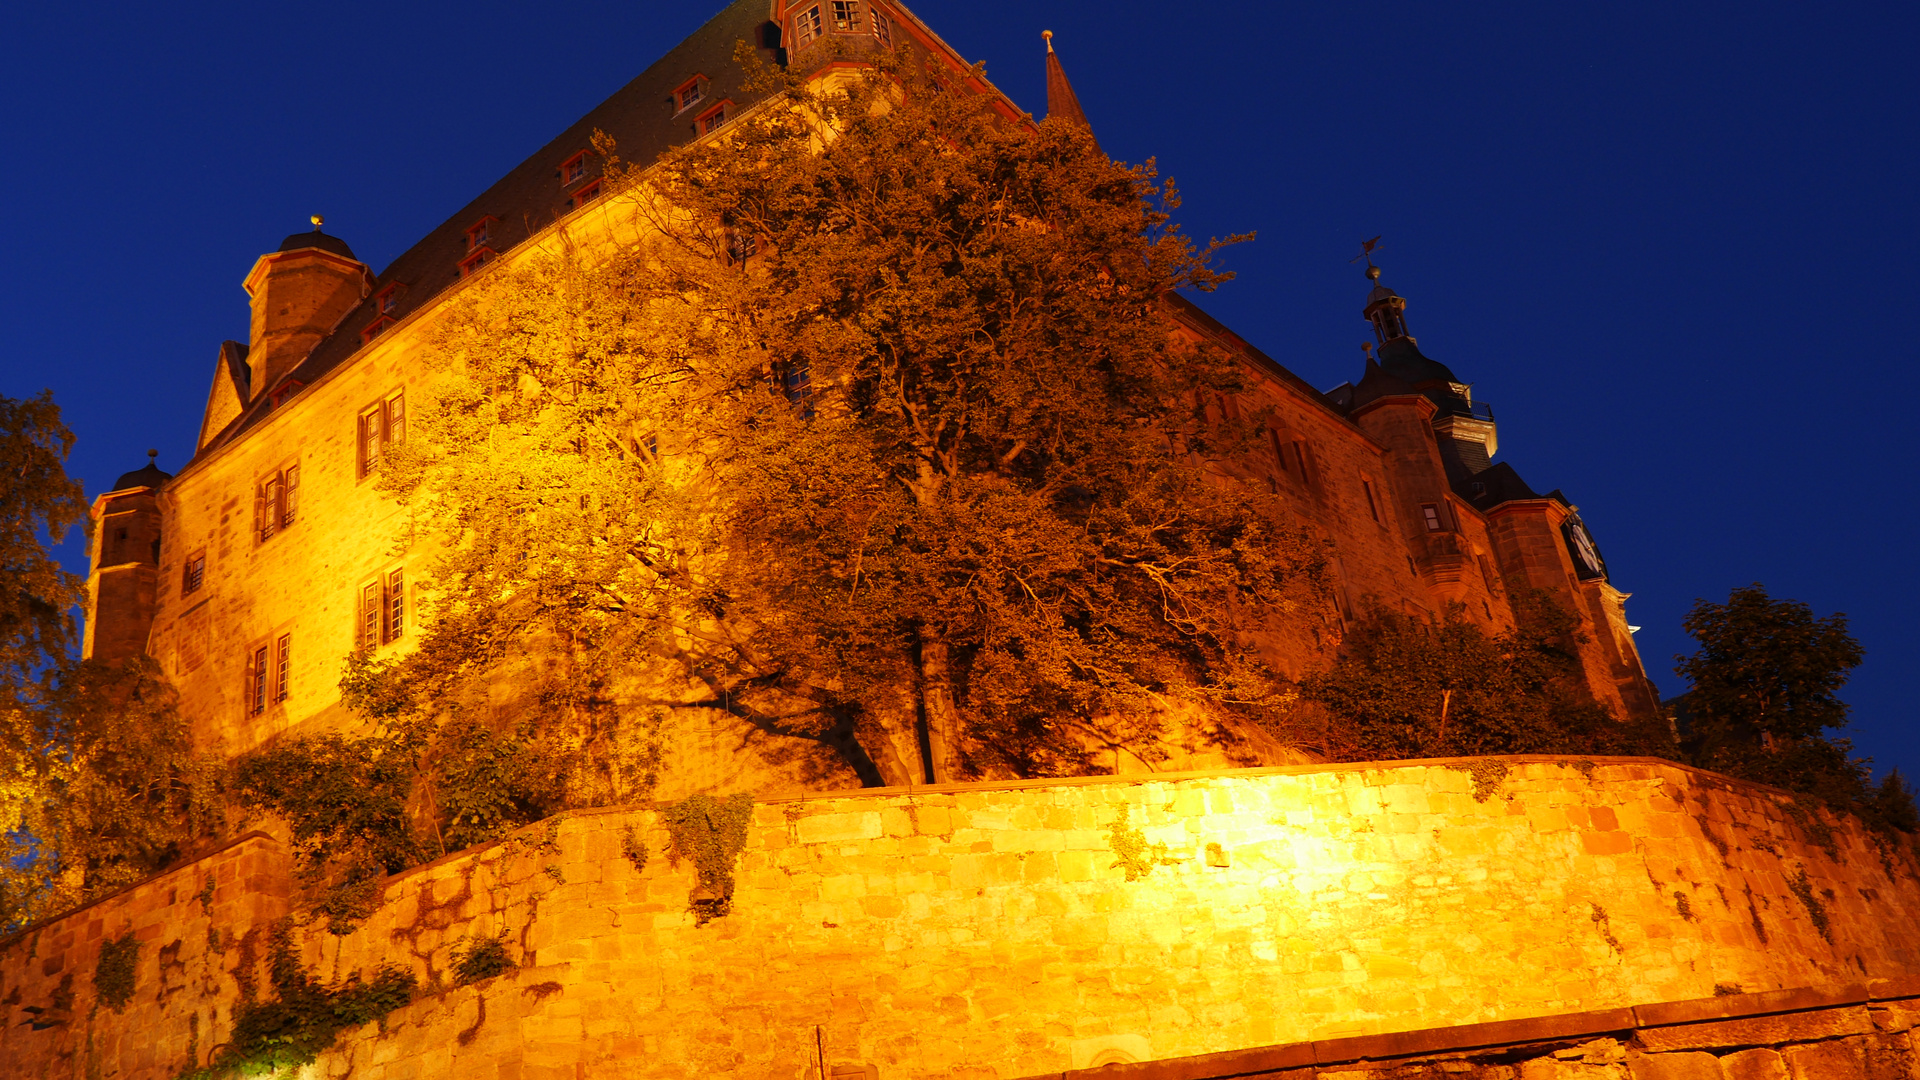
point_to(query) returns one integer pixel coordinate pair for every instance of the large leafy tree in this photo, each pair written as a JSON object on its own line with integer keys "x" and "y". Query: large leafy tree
{"x": 877, "y": 435}
{"x": 98, "y": 785}
{"x": 1764, "y": 703}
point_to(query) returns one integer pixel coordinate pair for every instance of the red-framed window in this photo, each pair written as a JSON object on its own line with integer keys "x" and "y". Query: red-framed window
{"x": 713, "y": 119}
{"x": 374, "y": 328}
{"x": 689, "y": 93}
{"x": 387, "y": 300}
{"x": 807, "y": 25}
{"x": 574, "y": 169}
{"x": 480, "y": 233}
{"x": 278, "y": 502}
{"x": 284, "y": 391}
{"x": 882, "y": 25}
{"x": 473, "y": 262}
{"x": 584, "y": 196}
{"x": 845, "y": 15}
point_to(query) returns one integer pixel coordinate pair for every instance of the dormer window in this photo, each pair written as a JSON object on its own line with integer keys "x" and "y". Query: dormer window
{"x": 387, "y": 300}
{"x": 690, "y": 93}
{"x": 284, "y": 391}
{"x": 480, "y": 234}
{"x": 574, "y": 169}
{"x": 374, "y": 328}
{"x": 472, "y": 263}
{"x": 584, "y": 196}
{"x": 807, "y": 26}
{"x": 846, "y": 16}
{"x": 713, "y": 119}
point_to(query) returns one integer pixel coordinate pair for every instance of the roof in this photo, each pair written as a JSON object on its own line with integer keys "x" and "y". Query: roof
{"x": 148, "y": 477}
{"x": 644, "y": 120}
{"x": 317, "y": 239}
{"x": 1402, "y": 359}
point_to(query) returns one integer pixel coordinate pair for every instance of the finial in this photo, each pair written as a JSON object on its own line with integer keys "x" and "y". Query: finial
{"x": 1373, "y": 273}
{"x": 1367, "y": 347}
{"x": 1048, "y": 35}
{"x": 152, "y": 456}
{"x": 317, "y": 221}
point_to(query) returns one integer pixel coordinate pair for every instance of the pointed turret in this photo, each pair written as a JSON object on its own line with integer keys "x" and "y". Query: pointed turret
{"x": 1061, "y": 101}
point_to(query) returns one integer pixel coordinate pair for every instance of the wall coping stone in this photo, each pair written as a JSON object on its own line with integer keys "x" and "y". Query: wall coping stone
{"x": 35, "y": 927}
{"x": 1468, "y": 1037}
{"x": 1764, "y": 1003}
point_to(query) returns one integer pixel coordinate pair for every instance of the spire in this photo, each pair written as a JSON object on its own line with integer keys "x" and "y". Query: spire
{"x": 1061, "y": 101}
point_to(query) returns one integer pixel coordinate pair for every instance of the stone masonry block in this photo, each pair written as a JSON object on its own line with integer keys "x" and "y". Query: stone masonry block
{"x": 1757, "y": 1030}
{"x": 1760, "y": 1063}
{"x": 1681, "y": 1066}
{"x": 1836, "y": 1059}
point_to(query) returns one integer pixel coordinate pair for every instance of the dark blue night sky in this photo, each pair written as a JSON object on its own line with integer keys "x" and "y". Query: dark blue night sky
{"x": 1673, "y": 245}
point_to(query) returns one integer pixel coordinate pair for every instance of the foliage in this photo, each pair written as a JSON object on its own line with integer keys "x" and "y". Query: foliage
{"x": 304, "y": 1016}
{"x": 1766, "y": 683}
{"x": 113, "y": 974}
{"x": 1407, "y": 688}
{"x": 881, "y": 433}
{"x": 119, "y": 792}
{"x": 711, "y": 833}
{"x": 481, "y": 958}
{"x": 1766, "y": 668}
{"x": 38, "y": 504}
{"x": 345, "y": 803}
{"x": 1131, "y": 851}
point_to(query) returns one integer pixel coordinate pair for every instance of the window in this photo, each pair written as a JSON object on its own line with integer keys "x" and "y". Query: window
{"x": 691, "y": 93}
{"x": 882, "y": 26}
{"x": 806, "y": 26}
{"x": 284, "y": 391}
{"x": 278, "y": 501}
{"x": 1431, "y": 514}
{"x": 256, "y": 686}
{"x": 374, "y": 328}
{"x": 282, "y": 661}
{"x": 388, "y": 299}
{"x": 585, "y": 195}
{"x": 712, "y": 120}
{"x": 383, "y": 610}
{"x": 382, "y": 424}
{"x": 480, "y": 234}
{"x": 194, "y": 575}
{"x": 1373, "y": 505}
{"x": 472, "y": 263}
{"x": 846, "y": 15}
{"x": 574, "y": 169}
{"x": 796, "y": 382}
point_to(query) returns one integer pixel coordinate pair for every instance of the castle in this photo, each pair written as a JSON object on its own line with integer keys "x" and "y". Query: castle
{"x": 1217, "y": 921}
{"x": 269, "y": 556}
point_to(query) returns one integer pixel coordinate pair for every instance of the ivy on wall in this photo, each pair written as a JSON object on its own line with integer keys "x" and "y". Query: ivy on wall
{"x": 710, "y": 833}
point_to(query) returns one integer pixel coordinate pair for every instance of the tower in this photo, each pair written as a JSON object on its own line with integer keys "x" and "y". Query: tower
{"x": 123, "y": 582}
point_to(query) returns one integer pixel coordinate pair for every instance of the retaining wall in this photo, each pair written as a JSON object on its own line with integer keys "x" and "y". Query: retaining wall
{"x": 998, "y": 930}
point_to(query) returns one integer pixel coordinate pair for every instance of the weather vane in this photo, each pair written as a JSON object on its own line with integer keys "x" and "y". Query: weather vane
{"x": 1367, "y": 248}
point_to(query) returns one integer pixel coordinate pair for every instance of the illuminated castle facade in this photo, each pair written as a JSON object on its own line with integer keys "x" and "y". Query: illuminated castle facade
{"x": 269, "y": 556}
{"x": 1591, "y": 919}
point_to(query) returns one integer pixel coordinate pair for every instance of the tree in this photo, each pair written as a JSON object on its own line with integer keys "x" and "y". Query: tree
{"x": 98, "y": 784}
{"x": 1766, "y": 682}
{"x": 38, "y": 504}
{"x": 880, "y": 439}
{"x": 1407, "y": 688}
{"x": 1766, "y": 669}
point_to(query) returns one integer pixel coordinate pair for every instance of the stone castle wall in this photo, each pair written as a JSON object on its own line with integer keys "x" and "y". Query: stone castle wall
{"x": 994, "y": 930}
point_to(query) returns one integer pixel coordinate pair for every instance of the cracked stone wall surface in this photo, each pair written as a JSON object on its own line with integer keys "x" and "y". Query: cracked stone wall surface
{"x": 1015, "y": 929}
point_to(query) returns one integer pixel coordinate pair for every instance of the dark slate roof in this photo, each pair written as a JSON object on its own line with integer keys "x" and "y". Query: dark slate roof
{"x": 1376, "y": 383}
{"x": 642, "y": 118}
{"x": 150, "y": 476}
{"x": 318, "y": 239}
{"x": 1381, "y": 292}
{"x": 1402, "y": 359}
{"x": 1497, "y": 485}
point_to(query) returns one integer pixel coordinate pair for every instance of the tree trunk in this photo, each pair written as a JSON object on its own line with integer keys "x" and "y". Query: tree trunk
{"x": 937, "y": 709}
